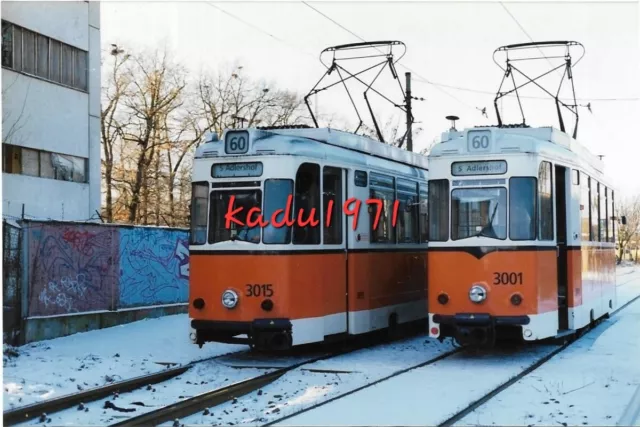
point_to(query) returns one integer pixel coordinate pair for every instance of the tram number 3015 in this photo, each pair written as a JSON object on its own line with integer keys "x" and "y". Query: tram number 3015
{"x": 259, "y": 291}
{"x": 507, "y": 278}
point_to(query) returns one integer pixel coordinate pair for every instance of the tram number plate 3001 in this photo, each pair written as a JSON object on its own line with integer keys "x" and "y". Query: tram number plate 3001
{"x": 503, "y": 278}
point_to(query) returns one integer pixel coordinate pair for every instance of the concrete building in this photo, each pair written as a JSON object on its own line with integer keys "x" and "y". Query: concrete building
{"x": 51, "y": 109}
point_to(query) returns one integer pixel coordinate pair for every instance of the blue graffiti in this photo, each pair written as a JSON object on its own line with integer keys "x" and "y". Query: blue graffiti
{"x": 154, "y": 267}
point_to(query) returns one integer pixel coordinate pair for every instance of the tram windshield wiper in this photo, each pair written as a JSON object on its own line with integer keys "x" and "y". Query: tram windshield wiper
{"x": 487, "y": 230}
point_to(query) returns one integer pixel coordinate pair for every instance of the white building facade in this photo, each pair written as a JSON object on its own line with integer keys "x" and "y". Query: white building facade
{"x": 51, "y": 110}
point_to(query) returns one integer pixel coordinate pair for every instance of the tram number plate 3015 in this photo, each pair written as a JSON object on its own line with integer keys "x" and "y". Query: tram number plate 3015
{"x": 259, "y": 290}
{"x": 504, "y": 278}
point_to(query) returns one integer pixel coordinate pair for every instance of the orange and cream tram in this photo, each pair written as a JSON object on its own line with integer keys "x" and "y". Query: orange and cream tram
{"x": 278, "y": 256}
{"x": 522, "y": 232}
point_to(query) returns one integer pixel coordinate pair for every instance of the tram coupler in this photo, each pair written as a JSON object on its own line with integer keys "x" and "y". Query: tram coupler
{"x": 473, "y": 335}
{"x": 271, "y": 334}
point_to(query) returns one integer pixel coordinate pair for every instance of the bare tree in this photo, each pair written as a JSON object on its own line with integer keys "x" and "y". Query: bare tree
{"x": 157, "y": 88}
{"x": 630, "y": 232}
{"x": 112, "y": 127}
{"x": 11, "y": 126}
{"x": 232, "y": 100}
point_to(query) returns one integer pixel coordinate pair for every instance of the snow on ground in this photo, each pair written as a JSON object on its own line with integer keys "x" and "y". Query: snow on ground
{"x": 590, "y": 383}
{"x": 448, "y": 386}
{"x": 302, "y": 387}
{"x": 203, "y": 377}
{"x": 427, "y": 395}
{"x": 53, "y": 368}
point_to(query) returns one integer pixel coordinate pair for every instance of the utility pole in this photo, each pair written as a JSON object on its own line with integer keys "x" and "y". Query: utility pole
{"x": 409, "y": 116}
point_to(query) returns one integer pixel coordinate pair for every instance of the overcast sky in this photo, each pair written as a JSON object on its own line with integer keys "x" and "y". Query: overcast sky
{"x": 449, "y": 44}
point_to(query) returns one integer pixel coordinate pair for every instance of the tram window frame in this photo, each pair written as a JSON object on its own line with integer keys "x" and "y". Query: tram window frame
{"x": 602, "y": 219}
{"x": 195, "y": 223}
{"x": 408, "y": 196}
{"x": 585, "y": 211}
{"x": 612, "y": 216}
{"x": 423, "y": 213}
{"x": 215, "y": 230}
{"x": 575, "y": 177}
{"x": 438, "y": 189}
{"x": 533, "y": 235}
{"x": 267, "y": 212}
{"x": 545, "y": 200}
{"x": 455, "y": 219}
{"x": 360, "y": 178}
{"x": 332, "y": 234}
{"x": 309, "y": 234}
{"x": 594, "y": 210}
{"x": 385, "y": 192}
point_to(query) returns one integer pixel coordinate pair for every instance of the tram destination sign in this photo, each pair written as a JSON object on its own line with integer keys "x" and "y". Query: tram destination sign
{"x": 236, "y": 170}
{"x": 488, "y": 167}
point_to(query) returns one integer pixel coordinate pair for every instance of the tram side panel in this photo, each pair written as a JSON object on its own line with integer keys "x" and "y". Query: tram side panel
{"x": 383, "y": 284}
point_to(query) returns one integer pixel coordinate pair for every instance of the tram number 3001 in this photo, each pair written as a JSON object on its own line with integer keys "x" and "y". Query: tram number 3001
{"x": 507, "y": 278}
{"x": 259, "y": 291}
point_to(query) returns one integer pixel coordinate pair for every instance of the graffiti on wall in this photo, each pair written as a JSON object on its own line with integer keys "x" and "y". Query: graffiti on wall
{"x": 154, "y": 266}
{"x": 72, "y": 268}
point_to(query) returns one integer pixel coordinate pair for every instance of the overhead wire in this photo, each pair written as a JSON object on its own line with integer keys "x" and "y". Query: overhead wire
{"x": 420, "y": 78}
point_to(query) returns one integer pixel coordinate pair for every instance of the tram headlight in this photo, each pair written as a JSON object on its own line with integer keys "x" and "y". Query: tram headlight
{"x": 477, "y": 294}
{"x": 229, "y": 298}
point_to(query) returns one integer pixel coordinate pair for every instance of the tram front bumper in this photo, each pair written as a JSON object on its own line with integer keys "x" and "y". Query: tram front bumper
{"x": 264, "y": 333}
{"x": 474, "y": 328}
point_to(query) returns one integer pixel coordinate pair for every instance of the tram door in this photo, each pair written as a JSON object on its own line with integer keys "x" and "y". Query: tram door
{"x": 561, "y": 221}
{"x": 334, "y": 238}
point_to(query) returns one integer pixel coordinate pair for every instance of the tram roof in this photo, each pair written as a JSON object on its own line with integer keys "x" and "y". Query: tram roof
{"x": 333, "y": 137}
{"x": 527, "y": 140}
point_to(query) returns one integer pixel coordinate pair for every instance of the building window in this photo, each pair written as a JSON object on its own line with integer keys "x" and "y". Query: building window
{"x": 43, "y": 164}
{"x": 31, "y": 53}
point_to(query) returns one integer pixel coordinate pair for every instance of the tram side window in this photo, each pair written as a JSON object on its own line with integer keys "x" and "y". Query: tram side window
{"x": 595, "y": 209}
{"x": 612, "y": 215}
{"x": 382, "y": 189}
{"x": 424, "y": 214}
{"x": 584, "y": 207}
{"x": 199, "y": 207}
{"x": 522, "y": 208}
{"x": 307, "y": 205}
{"x": 332, "y": 191}
{"x": 360, "y": 179}
{"x": 277, "y": 193}
{"x": 407, "y": 222}
{"x": 438, "y": 210}
{"x": 603, "y": 214}
{"x": 545, "y": 202}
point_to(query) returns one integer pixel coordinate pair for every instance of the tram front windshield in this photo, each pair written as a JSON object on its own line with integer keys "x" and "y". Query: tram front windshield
{"x": 484, "y": 211}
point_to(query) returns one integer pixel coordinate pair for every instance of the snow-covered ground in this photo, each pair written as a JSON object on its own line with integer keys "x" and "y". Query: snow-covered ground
{"x": 430, "y": 395}
{"x": 310, "y": 384}
{"x": 590, "y": 383}
{"x": 53, "y": 368}
{"x": 56, "y": 367}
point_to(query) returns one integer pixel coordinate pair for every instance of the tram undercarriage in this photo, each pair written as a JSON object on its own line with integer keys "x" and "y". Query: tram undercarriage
{"x": 482, "y": 330}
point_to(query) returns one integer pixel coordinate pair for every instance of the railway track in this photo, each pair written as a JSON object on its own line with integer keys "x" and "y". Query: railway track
{"x": 50, "y": 406}
{"x": 475, "y": 404}
{"x": 207, "y": 400}
{"x": 493, "y": 393}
